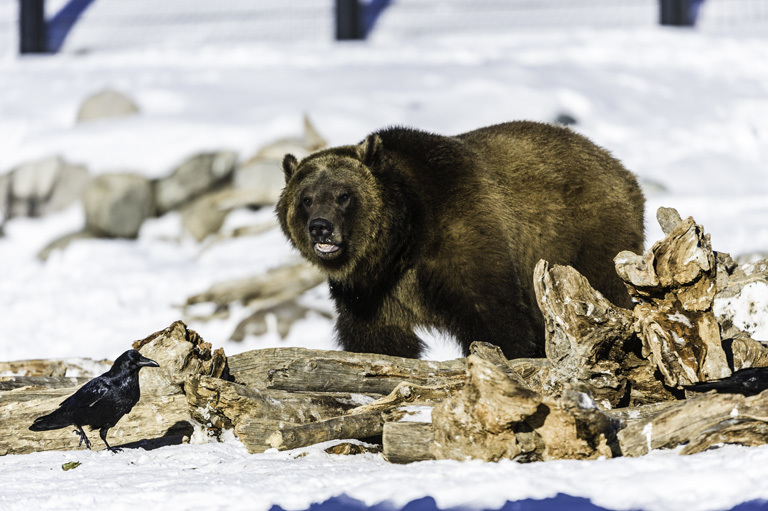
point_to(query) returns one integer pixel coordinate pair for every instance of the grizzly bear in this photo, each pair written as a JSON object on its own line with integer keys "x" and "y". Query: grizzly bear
{"x": 418, "y": 229}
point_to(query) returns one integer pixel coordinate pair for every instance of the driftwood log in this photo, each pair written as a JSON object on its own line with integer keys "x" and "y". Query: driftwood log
{"x": 492, "y": 417}
{"x": 160, "y": 417}
{"x": 700, "y": 423}
{"x": 273, "y": 292}
{"x": 54, "y": 367}
{"x": 610, "y": 385}
{"x": 300, "y": 369}
{"x": 675, "y": 284}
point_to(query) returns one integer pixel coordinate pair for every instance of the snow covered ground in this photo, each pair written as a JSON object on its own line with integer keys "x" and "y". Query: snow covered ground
{"x": 687, "y": 111}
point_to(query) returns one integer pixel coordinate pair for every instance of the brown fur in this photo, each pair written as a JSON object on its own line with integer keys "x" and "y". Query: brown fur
{"x": 444, "y": 232}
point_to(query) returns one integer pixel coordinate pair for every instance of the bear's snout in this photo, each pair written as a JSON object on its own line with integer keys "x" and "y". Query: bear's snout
{"x": 320, "y": 229}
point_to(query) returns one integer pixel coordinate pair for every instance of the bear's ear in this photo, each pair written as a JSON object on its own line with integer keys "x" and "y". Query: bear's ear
{"x": 289, "y": 166}
{"x": 369, "y": 149}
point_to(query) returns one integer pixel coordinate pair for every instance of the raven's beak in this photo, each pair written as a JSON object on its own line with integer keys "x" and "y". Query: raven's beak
{"x": 147, "y": 362}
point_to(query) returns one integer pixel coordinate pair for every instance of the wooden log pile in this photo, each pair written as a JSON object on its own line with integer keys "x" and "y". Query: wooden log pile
{"x": 615, "y": 382}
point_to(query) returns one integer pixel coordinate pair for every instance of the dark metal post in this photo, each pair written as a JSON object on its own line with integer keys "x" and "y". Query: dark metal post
{"x": 675, "y": 13}
{"x": 32, "y": 29}
{"x": 348, "y": 20}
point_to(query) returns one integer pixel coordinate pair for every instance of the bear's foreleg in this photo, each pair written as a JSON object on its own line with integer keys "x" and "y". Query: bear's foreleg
{"x": 371, "y": 335}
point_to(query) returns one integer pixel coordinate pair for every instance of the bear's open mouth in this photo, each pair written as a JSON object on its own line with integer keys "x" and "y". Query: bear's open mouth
{"x": 326, "y": 248}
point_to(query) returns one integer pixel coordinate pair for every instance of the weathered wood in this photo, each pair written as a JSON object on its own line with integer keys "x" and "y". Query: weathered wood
{"x": 680, "y": 343}
{"x": 55, "y": 367}
{"x": 258, "y": 435}
{"x": 285, "y": 315}
{"x": 181, "y": 353}
{"x": 493, "y": 354}
{"x": 406, "y": 442}
{"x": 632, "y": 414}
{"x": 152, "y": 417}
{"x": 161, "y": 415}
{"x": 701, "y": 422}
{"x": 40, "y": 382}
{"x": 675, "y": 283}
{"x": 271, "y": 288}
{"x": 273, "y": 292}
{"x": 585, "y": 333}
{"x": 492, "y": 417}
{"x": 218, "y": 404}
{"x": 301, "y": 369}
{"x": 409, "y": 394}
{"x": 348, "y": 448}
{"x": 747, "y": 352}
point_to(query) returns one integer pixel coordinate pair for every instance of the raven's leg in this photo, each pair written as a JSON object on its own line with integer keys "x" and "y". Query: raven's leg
{"x": 83, "y": 438}
{"x": 103, "y": 435}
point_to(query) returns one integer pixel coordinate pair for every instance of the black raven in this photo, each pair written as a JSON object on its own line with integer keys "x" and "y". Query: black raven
{"x": 101, "y": 402}
{"x": 749, "y": 382}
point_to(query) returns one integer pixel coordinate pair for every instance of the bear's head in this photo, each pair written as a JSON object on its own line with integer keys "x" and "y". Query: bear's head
{"x": 332, "y": 208}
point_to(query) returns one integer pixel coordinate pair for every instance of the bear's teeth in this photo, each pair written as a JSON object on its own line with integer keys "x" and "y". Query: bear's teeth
{"x": 326, "y": 248}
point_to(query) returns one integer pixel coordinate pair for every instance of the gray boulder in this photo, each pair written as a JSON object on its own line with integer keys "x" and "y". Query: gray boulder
{"x": 263, "y": 178}
{"x": 117, "y": 204}
{"x": 262, "y": 175}
{"x": 106, "y": 104}
{"x": 195, "y": 176}
{"x": 41, "y": 187}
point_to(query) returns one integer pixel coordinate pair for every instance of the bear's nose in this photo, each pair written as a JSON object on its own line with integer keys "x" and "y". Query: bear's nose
{"x": 320, "y": 229}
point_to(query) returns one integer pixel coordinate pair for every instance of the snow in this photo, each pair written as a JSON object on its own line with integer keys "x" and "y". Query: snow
{"x": 225, "y": 476}
{"x": 686, "y": 110}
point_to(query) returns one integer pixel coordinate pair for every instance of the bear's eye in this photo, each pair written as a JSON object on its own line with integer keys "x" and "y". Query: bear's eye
{"x": 307, "y": 201}
{"x": 344, "y": 197}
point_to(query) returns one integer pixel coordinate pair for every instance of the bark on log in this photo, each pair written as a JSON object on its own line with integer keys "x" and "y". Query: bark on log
{"x": 700, "y": 422}
{"x": 300, "y": 369}
{"x": 406, "y": 442}
{"x": 220, "y": 404}
{"x": 258, "y": 435}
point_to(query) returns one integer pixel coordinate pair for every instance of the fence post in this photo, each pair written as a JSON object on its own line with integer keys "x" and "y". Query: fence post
{"x": 348, "y": 20}
{"x": 32, "y": 29}
{"x": 675, "y": 13}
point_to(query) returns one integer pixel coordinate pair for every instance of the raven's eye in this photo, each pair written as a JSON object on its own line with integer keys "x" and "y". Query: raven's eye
{"x": 307, "y": 201}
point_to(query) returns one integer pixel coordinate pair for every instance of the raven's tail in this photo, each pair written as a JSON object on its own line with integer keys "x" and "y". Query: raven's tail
{"x": 51, "y": 421}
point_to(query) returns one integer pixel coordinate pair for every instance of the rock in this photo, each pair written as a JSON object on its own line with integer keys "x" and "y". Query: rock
{"x": 106, "y": 104}
{"x": 44, "y": 186}
{"x": 117, "y": 204}
{"x": 262, "y": 175}
{"x": 5, "y": 199}
{"x": 196, "y": 175}
{"x": 203, "y": 216}
{"x": 263, "y": 178}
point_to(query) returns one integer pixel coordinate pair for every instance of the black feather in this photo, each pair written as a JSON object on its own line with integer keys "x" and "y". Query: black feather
{"x": 101, "y": 402}
{"x": 749, "y": 382}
